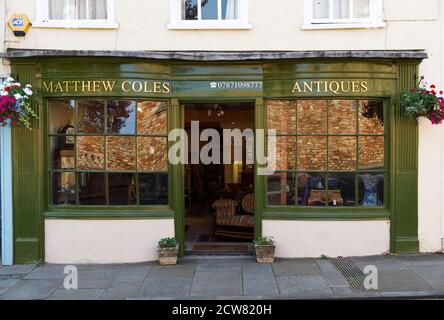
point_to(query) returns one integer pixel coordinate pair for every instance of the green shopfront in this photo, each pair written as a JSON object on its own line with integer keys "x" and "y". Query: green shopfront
{"x": 92, "y": 181}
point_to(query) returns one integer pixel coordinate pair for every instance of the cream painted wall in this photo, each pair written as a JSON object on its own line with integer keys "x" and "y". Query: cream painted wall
{"x": 330, "y": 238}
{"x": 4, "y": 69}
{"x": 410, "y": 24}
{"x": 104, "y": 241}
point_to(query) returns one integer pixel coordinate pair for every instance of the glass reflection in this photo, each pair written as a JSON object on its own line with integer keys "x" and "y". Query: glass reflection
{"x": 371, "y": 153}
{"x": 341, "y": 189}
{"x": 189, "y": 9}
{"x": 120, "y": 153}
{"x": 312, "y": 116}
{"x": 153, "y": 188}
{"x": 342, "y": 116}
{"x": 62, "y": 155}
{"x": 371, "y": 189}
{"x": 61, "y": 116}
{"x": 63, "y": 188}
{"x": 311, "y": 189}
{"x": 209, "y": 9}
{"x": 371, "y": 117}
{"x": 281, "y": 116}
{"x": 91, "y": 188}
{"x": 229, "y": 9}
{"x": 90, "y": 116}
{"x": 152, "y": 154}
{"x": 90, "y": 153}
{"x": 342, "y": 153}
{"x": 281, "y": 189}
{"x": 285, "y": 152}
{"x": 122, "y": 189}
{"x": 312, "y": 153}
{"x": 121, "y": 117}
{"x": 151, "y": 117}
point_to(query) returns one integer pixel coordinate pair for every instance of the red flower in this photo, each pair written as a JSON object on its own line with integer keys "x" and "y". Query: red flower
{"x": 433, "y": 86}
{"x": 433, "y": 92}
{"x": 7, "y": 89}
{"x": 441, "y": 92}
{"x": 14, "y": 121}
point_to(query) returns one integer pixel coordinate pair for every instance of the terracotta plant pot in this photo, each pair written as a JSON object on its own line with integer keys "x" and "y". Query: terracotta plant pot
{"x": 264, "y": 253}
{"x": 168, "y": 256}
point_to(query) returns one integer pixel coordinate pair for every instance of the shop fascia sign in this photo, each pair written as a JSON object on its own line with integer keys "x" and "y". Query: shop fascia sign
{"x": 334, "y": 87}
{"x": 106, "y": 86}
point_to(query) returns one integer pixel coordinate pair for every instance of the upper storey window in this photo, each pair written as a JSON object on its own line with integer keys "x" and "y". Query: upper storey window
{"x": 209, "y": 14}
{"x": 75, "y": 14}
{"x": 331, "y": 14}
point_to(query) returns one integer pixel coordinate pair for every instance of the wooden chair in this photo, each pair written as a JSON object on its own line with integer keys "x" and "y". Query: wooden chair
{"x": 228, "y": 223}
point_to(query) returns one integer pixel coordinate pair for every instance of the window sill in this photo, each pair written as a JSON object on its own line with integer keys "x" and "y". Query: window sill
{"x": 329, "y": 26}
{"x": 124, "y": 213}
{"x": 326, "y": 215}
{"x": 76, "y": 25}
{"x": 204, "y": 25}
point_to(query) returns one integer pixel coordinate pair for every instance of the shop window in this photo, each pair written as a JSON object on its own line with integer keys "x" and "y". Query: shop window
{"x": 323, "y": 14}
{"x": 75, "y": 14}
{"x": 108, "y": 152}
{"x": 209, "y": 14}
{"x": 329, "y": 153}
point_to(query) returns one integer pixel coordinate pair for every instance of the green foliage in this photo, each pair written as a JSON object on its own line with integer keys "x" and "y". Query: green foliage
{"x": 168, "y": 243}
{"x": 264, "y": 241}
{"x": 418, "y": 102}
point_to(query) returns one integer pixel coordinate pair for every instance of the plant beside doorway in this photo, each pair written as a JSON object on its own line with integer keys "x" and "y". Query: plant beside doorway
{"x": 168, "y": 249}
{"x": 424, "y": 102}
{"x": 264, "y": 248}
{"x": 15, "y": 104}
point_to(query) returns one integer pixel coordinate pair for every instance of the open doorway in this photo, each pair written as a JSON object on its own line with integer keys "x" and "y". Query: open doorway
{"x": 219, "y": 198}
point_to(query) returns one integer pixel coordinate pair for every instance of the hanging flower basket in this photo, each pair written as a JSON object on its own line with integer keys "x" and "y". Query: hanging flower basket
{"x": 15, "y": 104}
{"x": 423, "y": 102}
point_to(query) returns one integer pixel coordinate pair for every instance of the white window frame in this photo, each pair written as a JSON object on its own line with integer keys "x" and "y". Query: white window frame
{"x": 43, "y": 21}
{"x": 176, "y": 21}
{"x": 375, "y": 19}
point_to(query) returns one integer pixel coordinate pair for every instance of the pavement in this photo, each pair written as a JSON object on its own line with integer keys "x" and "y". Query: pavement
{"x": 229, "y": 277}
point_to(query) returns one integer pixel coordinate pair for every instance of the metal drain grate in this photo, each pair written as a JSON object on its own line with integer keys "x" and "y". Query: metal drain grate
{"x": 352, "y": 273}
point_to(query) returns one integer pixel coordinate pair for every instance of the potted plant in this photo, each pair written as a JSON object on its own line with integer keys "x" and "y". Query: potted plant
{"x": 168, "y": 248}
{"x": 264, "y": 248}
{"x": 423, "y": 102}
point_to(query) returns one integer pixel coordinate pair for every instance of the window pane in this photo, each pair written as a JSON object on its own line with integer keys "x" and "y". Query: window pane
{"x": 341, "y": 189}
{"x": 361, "y": 8}
{"x": 90, "y": 116}
{"x": 371, "y": 189}
{"x": 311, "y": 189}
{"x": 120, "y": 153}
{"x": 285, "y": 152}
{"x": 91, "y": 9}
{"x": 91, "y": 188}
{"x": 153, "y": 188}
{"x": 62, "y": 10}
{"x": 122, "y": 189}
{"x": 209, "y": 9}
{"x": 152, "y": 154}
{"x": 371, "y": 153}
{"x": 341, "y": 9}
{"x": 63, "y": 188}
{"x": 121, "y": 117}
{"x": 371, "y": 117}
{"x": 342, "y": 153}
{"x": 312, "y": 116}
{"x": 62, "y": 154}
{"x": 342, "y": 116}
{"x": 189, "y": 9}
{"x": 229, "y": 9}
{"x": 151, "y": 117}
{"x": 321, "y": 9}
{"x": 281, "y": 116}
{"x": 312, "y": 153}
{"x": 281, "y": 189}
{"x": 61, "y": 116}
{"x": 90, "y": 153}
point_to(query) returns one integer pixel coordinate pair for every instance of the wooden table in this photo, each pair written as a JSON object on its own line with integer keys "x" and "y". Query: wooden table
{"x": 319, "y": 196}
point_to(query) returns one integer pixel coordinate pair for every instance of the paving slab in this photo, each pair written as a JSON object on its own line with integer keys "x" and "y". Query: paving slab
{"x": 133, "y": 274}
{"x": 180, "y": 271}
{"x": 165, "y": 287}
{"x": 7, "y": 283}
{"x": 392, "y": 264}
{"x": 304, "y": 286}
{"x": 121, "y": 291}
{"x": 433, "y": 275}
{"x": 47, "y": 272}
{"x": 422, "y": 259}
{"x": 331, "y": 274}
{"x": 20, "y": 269}
{"x": 210, "y": 265}
{"x": 259, "y": 280}
{"x": 97, "y": 279}
{"x": 373, "y": 258}
{"x": 76, "y": 294}
{"x": 398, "y": 281}
{"x": 296, "y": 267}
{"x": 217, "y": 283}
{"x": 30, "y": 290}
